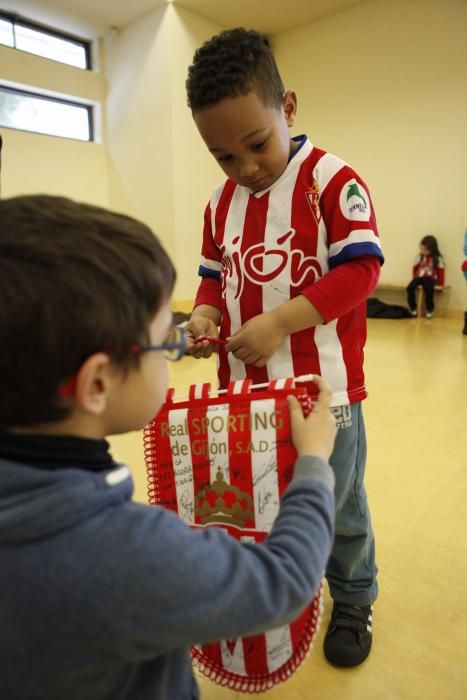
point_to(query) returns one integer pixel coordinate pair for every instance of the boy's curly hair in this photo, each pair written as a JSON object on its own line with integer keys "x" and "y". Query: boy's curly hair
{"x": 234, "y": 62}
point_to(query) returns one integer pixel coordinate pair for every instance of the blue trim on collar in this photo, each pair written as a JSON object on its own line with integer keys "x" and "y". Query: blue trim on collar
{"x": 301, "y": 140}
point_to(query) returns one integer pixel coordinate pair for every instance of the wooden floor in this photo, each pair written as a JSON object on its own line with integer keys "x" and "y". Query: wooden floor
{"x": 416, "y": 418}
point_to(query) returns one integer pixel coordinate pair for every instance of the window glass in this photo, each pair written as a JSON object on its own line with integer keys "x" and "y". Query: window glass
{"x": 6, "y": 33}
{"x": 25, "y": 36}
{"x": 30, "y": 112}
{"x": 49, "y": 46}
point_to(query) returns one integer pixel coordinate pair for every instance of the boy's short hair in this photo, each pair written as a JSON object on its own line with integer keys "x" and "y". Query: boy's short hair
{"x": 75, "y": 279}
{"x": 232, "y": 63}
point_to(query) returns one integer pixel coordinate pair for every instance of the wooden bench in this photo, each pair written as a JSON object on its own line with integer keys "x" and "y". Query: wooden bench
{"x": 419, "y": 295}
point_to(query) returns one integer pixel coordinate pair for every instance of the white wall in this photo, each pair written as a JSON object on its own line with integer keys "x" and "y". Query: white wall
{"x": 139, "y": 117}
{"x": 384, "y": 86}
{"x": 196, "y": 172}
{"x": 159, "y": 171}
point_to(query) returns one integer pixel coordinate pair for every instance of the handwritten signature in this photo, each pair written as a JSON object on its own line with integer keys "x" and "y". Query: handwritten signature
{"x": 271, "y": 466}
{"x": 263, "y": 500}
{"x": 186, "y": 506}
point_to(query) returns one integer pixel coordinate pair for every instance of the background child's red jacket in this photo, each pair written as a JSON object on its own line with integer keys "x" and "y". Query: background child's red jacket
{"x": 424, "y": 267}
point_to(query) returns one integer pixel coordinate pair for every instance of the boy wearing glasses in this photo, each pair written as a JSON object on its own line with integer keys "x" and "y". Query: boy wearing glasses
{"x": 96, "y": 601}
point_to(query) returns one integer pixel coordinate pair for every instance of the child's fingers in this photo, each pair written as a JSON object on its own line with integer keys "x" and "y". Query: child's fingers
{"x": 323, "y": 401}
{"x": 325, "y": 393}
{"x": 198, "y": 350}
{"x": 315, "y": 434}
{"x": 294, "y": 404}
{"x": 295, "y": 410}
{"x": 205, "y": 348}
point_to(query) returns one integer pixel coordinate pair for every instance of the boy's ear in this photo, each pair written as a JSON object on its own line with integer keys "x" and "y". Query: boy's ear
{"x": 289, "y": 105}
{"x": 94, "y": 381}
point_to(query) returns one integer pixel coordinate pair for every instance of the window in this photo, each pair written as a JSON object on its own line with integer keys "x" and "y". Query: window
{"x": 26, "y": 36}
{"x": 6, "y": 33}
{"x": 46, "y": 115}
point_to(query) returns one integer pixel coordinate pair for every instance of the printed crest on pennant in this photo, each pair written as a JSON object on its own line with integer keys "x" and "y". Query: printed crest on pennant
{"x": 221, "y": 503}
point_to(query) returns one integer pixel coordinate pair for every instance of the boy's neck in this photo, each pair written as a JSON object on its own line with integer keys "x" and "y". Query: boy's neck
{"x": 79, "y": 427}
{"x": 294, "y": 146}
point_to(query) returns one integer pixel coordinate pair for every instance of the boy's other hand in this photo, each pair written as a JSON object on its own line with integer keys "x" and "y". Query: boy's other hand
{"x": 315, "y": 434}
{"x": 258, "y": 339}
{"x": 199, "y": 326}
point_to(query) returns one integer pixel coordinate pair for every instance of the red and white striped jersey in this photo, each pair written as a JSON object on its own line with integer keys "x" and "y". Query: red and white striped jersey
{"x": 261, "y": 249}
{"x": 424, "y": 267}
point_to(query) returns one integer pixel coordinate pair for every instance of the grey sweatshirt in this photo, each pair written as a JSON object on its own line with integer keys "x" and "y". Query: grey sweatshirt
{"x": 101, "y": 597}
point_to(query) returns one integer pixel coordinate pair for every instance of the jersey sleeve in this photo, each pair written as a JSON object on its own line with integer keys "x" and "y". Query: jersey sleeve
{"x": 210, "y": 289}
{"x": 349, "y": 217}
{"x": 344, "y": 287}
{"x": 209, "y": 292}
{"x": 211, "y": 260}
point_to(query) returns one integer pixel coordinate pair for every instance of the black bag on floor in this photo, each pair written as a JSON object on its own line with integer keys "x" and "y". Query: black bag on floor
{"x": 378, "y": 309}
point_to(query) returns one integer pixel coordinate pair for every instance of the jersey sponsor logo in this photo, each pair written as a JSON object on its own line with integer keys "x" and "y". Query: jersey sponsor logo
{"x": 354, "y": 201}
{"x": 304, "y": 270}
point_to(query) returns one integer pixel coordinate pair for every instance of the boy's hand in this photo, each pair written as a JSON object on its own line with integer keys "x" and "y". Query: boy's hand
{"x": 198, "y": 326}
{"x": 315, "y": 434}
{"x": 258, "y": 339}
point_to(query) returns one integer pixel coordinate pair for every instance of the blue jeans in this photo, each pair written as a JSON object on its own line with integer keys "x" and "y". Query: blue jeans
{"x": 351, "y": 570}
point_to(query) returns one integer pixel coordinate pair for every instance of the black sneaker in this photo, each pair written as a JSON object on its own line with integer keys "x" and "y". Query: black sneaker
{"x": 348, "y": 639}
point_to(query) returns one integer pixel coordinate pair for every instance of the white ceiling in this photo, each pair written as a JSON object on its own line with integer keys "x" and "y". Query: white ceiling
{"x": 95, "y": 17}
{"x": 268, "y": 16}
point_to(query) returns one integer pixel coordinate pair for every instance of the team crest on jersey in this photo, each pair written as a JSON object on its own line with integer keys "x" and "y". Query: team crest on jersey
{"x": 354, "y": 201}
{"x": 312, "y": 196}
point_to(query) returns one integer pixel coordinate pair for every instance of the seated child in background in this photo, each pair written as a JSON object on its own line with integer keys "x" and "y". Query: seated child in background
{"x": 96, "y": 602}
{"x": 428, "y": 272}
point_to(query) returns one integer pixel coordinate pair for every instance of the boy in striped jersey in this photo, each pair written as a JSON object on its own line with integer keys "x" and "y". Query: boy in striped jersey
{"x": 290, "y": 253}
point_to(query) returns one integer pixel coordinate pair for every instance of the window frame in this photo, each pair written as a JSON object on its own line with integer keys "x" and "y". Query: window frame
{"x": 60, "y": 100}
{"x": 18, "y": 20}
